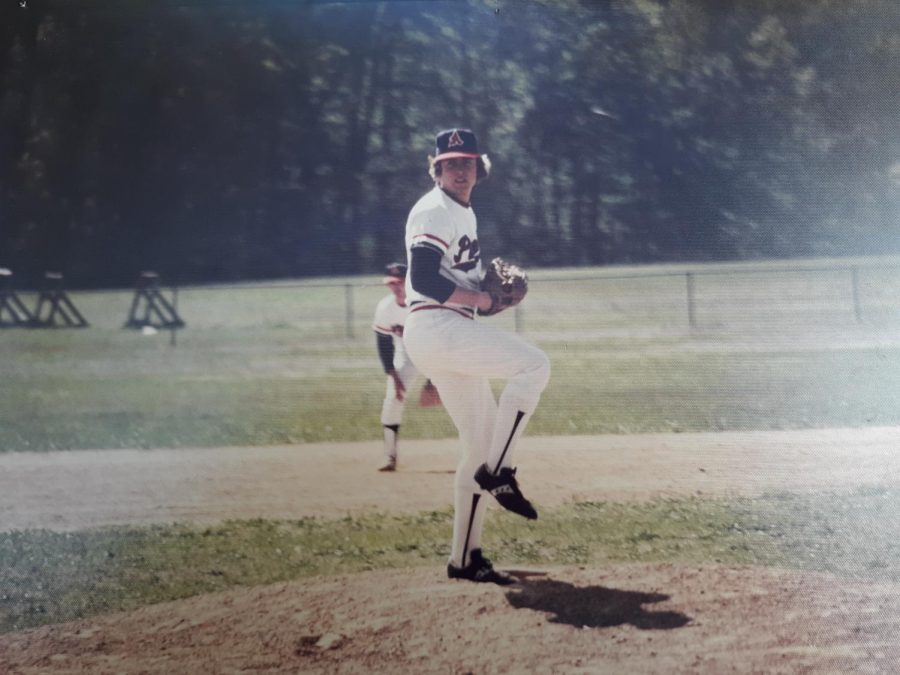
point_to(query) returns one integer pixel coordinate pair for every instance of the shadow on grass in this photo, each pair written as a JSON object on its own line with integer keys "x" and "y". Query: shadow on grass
{"x": 592, "y": 606}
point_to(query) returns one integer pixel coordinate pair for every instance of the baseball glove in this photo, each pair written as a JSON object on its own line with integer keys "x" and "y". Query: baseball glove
{"x": 429, "y": 397}
{"x": 507, "y": 284}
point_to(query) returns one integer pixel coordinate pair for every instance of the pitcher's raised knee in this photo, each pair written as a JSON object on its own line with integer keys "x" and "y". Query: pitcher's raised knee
{"x": 543, "y": 369}
{"x": 524, "y": 389}
{"x": 537, "y": 372}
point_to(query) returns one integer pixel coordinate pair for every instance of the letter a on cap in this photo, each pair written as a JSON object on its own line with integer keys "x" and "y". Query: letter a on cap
{"x": 454, "y": 139}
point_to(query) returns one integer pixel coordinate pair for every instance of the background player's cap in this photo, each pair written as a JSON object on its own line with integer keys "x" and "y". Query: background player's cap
{"x": 452, "y": 143}
{"x": 394, "y": 273}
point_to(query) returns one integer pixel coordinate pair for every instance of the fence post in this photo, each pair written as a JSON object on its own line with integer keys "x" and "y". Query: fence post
{"x": 692, "y": 317}
{"x": 172, "y": 330}
{"x": 857, "y": 306}
{"x": 348, "y": 305}
{"x": 517, "y": 315}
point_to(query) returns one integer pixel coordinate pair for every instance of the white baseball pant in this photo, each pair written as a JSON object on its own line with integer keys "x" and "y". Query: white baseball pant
{"x": 461, "y": 355}
{"x": 391, "y": 408}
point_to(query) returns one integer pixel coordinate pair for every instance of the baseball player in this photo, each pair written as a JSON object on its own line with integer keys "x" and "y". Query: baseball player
{"x": 390, "y": 315}
{"x": 461, "y": 354}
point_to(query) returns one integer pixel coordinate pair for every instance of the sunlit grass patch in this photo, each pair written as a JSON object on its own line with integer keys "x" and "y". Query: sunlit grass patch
{"x": 48, "y": 577}
{"x": 264, "y": 365}
{"x": 246, "y": 387}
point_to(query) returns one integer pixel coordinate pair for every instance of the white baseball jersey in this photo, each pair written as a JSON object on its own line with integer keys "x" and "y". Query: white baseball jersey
{"x": 389, "y": 320}
{"x": 442, "y": 224}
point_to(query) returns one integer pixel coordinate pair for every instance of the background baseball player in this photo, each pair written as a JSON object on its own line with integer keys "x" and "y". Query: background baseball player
{"x": 461, "y": 354}
{"x": 390, "y": 316}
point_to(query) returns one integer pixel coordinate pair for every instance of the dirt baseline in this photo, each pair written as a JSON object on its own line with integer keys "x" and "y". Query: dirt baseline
{"x": 77, "y": 489}
{"x": 647, "y": 618}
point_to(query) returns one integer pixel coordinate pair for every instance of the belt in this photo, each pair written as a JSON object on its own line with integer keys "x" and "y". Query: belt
{"x": 464, "y": 311}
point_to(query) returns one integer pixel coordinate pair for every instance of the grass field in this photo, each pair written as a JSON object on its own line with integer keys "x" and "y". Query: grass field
{"x": 261, "y": 365}
{"x": 257, "y": 365}
{"x": 51, "y": 576}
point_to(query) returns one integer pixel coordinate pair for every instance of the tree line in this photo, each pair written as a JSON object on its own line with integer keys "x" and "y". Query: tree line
{"x": 236, "y": 140}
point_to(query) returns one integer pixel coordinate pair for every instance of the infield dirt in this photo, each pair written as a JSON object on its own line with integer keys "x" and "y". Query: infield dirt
{"x": 639, "y": 618}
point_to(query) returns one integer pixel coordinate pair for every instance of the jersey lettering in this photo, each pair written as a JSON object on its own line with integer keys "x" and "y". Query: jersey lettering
{"x": 470, "y": 247}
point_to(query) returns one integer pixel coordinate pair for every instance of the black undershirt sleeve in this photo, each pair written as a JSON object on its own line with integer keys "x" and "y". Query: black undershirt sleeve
{"x": 385, "y": 351}
{"x": 424, "y": 266}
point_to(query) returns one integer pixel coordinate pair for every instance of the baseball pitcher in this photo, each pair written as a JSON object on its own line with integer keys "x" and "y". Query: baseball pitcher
{"x": 445, "y": 290}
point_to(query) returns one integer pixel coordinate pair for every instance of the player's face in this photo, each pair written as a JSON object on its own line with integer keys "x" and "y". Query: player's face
{"x": 458, "y": 176}
{"x": 399, "y": 291}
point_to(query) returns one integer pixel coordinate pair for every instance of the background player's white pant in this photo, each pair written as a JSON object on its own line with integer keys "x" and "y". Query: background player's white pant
{"x": 461, "y": 356}
{"x": 391, "y": 408}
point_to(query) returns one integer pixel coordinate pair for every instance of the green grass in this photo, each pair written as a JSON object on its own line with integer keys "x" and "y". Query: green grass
{"x": 259, "y": 366}
{"x": 69, "y": 390}
{"x": 237, "y": 389}
{"x": 48, "y": 577}
{"x": 607, "y": 391}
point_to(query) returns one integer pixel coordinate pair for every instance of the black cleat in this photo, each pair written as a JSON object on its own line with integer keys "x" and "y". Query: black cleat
{"x": 479, "y": 570}
{"x": 390, "y": 464}
{"x": 506, "y": 490}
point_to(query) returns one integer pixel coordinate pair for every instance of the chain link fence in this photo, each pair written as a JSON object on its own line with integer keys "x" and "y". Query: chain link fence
{"x": 710, "y": 298}
{"x": 674, "y": 299}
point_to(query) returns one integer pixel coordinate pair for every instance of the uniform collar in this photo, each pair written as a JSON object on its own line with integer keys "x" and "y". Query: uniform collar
{"x": 451, "y": 196}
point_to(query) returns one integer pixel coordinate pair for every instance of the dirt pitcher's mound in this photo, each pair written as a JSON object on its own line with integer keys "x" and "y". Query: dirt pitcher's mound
{"x": 629, "y": 619}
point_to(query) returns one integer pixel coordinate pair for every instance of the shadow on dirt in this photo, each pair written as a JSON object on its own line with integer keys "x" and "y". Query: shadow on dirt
{"x": 593, "y": 606}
